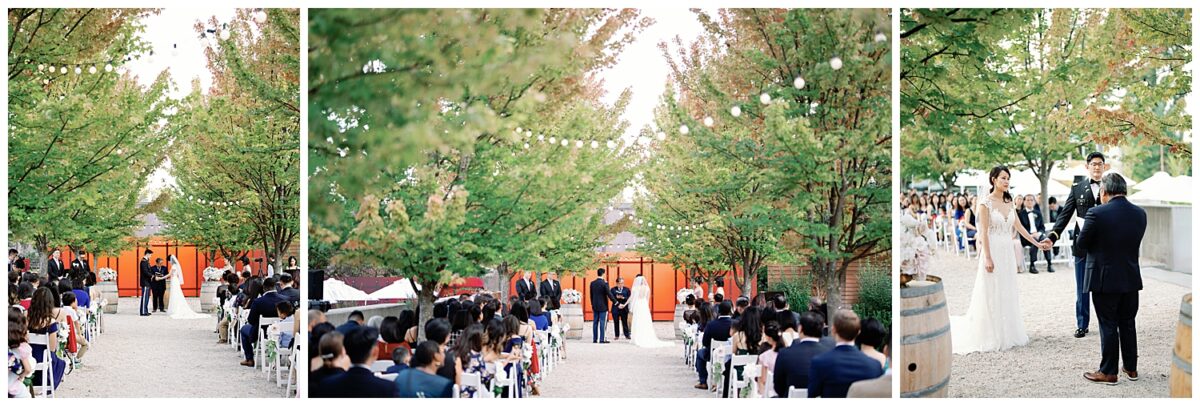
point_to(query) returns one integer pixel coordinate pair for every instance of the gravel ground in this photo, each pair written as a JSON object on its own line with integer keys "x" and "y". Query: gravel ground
{"x": 158, "y": 356}
{"x": 1053, "y": 362}
{"x": 622, "y": 370}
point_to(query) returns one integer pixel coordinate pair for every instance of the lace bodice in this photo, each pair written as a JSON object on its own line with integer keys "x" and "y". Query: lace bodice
{"x": 1000, "y": 224}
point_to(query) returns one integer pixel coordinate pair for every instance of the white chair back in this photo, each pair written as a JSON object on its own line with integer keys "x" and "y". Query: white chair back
{"x": 471, "y": 380}
{"x": 381, "y": 365}
{"x": 388, "y": 377}
{"x": 797, "y": 393}
{"x": 44, "y": 387}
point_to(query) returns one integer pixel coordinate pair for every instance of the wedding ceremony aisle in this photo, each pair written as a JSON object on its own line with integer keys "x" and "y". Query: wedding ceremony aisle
{"x": 1053, "y": 362}
{"x": 622, "y": 370}
{"x": 157, "y": 356}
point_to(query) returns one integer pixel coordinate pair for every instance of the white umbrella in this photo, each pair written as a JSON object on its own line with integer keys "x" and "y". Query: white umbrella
{"x": 400, "y": 289}
{"x": 335, "y": 291}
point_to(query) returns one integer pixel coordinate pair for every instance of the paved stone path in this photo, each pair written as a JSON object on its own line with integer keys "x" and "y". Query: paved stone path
{"x": 622, "y": 370}
{"x": 157, "y": 356}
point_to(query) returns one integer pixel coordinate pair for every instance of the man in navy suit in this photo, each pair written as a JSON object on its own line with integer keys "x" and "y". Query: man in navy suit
{"x": 1084, "y": 196}
{"x": 358, "y": 381}
{"x": 264, "y": 305}
{"x": 1112, "y": 235}
{"x": 54, "y": 266}
{"x": 715, "y": 330}
{"x": 600, "y": 295}
{"x": 831, "y": 373}
{"x": 355, "y": 320}
{"x": 793, "y": 363}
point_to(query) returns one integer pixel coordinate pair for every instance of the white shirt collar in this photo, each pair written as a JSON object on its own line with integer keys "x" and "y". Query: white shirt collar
{"x": 809, "y": 339}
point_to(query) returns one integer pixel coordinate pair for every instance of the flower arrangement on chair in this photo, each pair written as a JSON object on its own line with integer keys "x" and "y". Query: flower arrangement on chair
{"x": 108, "y": 274}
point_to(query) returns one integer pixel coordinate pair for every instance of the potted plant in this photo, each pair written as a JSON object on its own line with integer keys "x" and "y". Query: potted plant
{"x": 572, "y": 312}
{"x": 108, "y": 288}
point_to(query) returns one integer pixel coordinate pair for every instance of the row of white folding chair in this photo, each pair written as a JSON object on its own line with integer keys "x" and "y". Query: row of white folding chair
{"x": 260, "y": 345}
{"x": 748, "y": 378}
{"x": 293, "y": 358}
{"x": 282, "y": 360}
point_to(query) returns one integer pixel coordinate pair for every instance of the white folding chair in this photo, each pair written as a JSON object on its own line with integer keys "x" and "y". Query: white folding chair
{"x": 505, "y": 379}
{"x": 797, "y": 393}
{"x": 283, "y": 360}
{"x": 769, "y": 388}
{"x": 387, "y": 377}
{"x": 736, "y": 383}
{"x": 471, "y": 380}
{"x": 716, "y": 365}
{"x": 260, "y": 347}
{"x": 45, "y": 365}
{"x": 381, "y": 365}
{"x": 292, "y": 359}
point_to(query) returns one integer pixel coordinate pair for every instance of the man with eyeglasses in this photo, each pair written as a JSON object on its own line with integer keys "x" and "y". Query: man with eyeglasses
{"x": 1084, "y": 196}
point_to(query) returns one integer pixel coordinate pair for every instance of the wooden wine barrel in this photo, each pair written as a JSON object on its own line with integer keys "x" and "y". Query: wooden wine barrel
{"x": 572, "y": 314}
{"x": 108, "y": 290}
{"x": 925, "y": 344}
{"x": 678, "y": 318}
{"x": 1181, "y": 361}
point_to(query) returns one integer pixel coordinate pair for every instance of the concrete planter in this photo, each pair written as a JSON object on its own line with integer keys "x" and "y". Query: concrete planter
{"x": 208, "y": 294}
{"x": 572, "y": 314}
{"x": 108, "y": 290}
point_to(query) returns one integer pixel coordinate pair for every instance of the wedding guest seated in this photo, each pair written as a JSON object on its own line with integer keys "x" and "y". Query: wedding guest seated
{"x": 469, "y": 353}
{"x": 690, "y": 315}
{"x": 408, "y": 324}
{"x": 540, "y": 319}
{"x": 355, "y": 321}
{"x": 83, "y": 299}
{"x": 286, "y": 323}
{"x": 437, "y": 331}
{"x": 74, "y": 325}
{"x": 421, "y": 380}
{"x": 333, "y": 361}
{"x": 316, "y": 317}
{"x": 399, "y": 359}
{"x": 769, "y": 352}
{"x": 20, "y": 356}
{"x": 42, "y": 320}
{"x": 25, "y": 294}
{"x": 459, "y": 320}
{"x": 793, "y": 363}
{"x": 287, "y": 289}
{"x": 264, "y": 305}
{"x": 880, "y": 387}
{"x": 831, "y": 373}
{"x": 391, "y": 337}
{"x": 359, "y": 381}
{"x": 314, "y": 341}
{"x": 871, "y": 338}
{"x": 715, "y": 330}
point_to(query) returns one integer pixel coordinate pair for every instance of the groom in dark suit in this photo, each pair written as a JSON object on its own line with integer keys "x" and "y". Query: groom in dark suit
{"x": 620, "y": 309}
{"x": 600, "y": 295}
{"x": 1084, "y": 196}
{"x": 147, "y": 277}
{"x": 1112, "y": 235}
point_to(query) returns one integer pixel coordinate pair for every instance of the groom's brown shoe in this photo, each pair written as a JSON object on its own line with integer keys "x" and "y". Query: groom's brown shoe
{"x": 1132, "y": 375}
{"x": 701, "y": 386}
{"x": 248, "y": 363}
{"x": 1100, "y": 377}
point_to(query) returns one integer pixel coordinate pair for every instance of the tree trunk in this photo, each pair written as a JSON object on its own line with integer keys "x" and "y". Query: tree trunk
{"x": 425, "y": 307}
{"x": 833, "y": 281}
{"x": 41, "y": 246}
{"x": 746, "y": 287}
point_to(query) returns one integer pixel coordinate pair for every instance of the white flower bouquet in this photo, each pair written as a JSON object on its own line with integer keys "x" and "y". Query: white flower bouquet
{"x": 682, "y": 294}
{"x": 108, "y": 274}
{"x": 213, "y": 274}
{"x": 914, "y": 247}
{"x": 571, "y": 296}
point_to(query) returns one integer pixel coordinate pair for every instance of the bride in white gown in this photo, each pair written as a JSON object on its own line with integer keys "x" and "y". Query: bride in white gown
{"x": 178, "y": 308}
{"x": 993, "y": 320}
{"x": 641, "y": 325}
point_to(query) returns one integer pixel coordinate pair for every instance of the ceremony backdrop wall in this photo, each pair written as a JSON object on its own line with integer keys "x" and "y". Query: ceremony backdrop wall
{"x": 190, "y": 259}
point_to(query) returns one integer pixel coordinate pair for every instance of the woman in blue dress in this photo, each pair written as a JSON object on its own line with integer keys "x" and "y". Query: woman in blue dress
{"x": 42, "y": 321}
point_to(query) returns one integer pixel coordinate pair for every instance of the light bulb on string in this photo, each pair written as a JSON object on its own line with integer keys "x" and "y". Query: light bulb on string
{"x": 764, "y": 98}
{"x": 595, "y": 144}
{"x": 92, "y": 69}
{"x": 662, "y": 135}
{"x": 41, "y": 67}
{"x": 553, "y": 140}
{"x": 78, "y": 70}
{"x": 526, "y": 145}
{"x": 174, "y": 50}
{"x": 63, "y": 70}
{"x": 530, "y": 134}
{"x": 224, "y": 34}
{"x": 798, "y": 83}
{"x": 835, "y": 63}
{"x": 611, "y": 144}
{"x": 736, "y": 111}
{"x": 879, "y": 37}
{"x": 579, "y": 144}
{"x": 683, "y": 129}
{"x": 708, "y": 121}
{"x": 565, "y": 142}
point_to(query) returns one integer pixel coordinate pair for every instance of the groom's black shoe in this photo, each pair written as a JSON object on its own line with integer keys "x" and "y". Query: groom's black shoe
{"x": 1100, "y": 377}
{"x": 1049, "y": 269}
{"x": 1081, "y": 332}
{"x": 605, "y": 342}
{"x": 1033, "y": 270}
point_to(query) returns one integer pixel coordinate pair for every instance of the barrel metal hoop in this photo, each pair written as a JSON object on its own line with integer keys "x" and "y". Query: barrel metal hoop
{"x": 1181, "y": 364}
{"x": 922, "y": 310}
{"x": 918, "y": 291}
{"x": 917, "y": 338}
{"x": 927, "y": 391}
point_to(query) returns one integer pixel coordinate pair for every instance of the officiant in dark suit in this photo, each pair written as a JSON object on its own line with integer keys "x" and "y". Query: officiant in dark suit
{"x": 1112, "y": 235}
{"x": 146, "y": 277}
{"x": 1031, "y": 220}
{"x": 1084, "y": 195}
{"x": 158, "y": 286}
{"x": 551, "y": 291}
{"x": 620, "y": 309}
{"x": 54, "y": 266}
{"x": 600, "y": 295}
{"x": 525, "y": 288}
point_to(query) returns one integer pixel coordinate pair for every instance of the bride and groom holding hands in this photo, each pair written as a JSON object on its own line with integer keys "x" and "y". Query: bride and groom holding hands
{"x": 177, "y": 307}
{"x": 1107, "y": 274}
{"x": 630, "y": 309}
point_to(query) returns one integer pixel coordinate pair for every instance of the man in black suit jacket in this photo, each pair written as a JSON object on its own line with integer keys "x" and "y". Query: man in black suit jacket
{"x": 832, "y": 373}
{"x": 620, "y": 310}
{"x": 13, "y": 255}
{"x": 358, "y": 381}
{"x": 80, "y": 268}
{"x": 146, "y": 277}
{"x": 792, "y": 364}
{"x": 1112, "y": 235}
{"x": 54, "y": 266}
{"x": 718, "y": 330}
{"x": 158, "y": 286}
{"x": 1031, "y": 220}
{"x": 1084, "y": 196}
{"x": 354, "y": 321}
{"x": 552, "y": 291}
{"x": 263, "y": 306}
{"x": 525, "y": 287}
{"x": 600, "y": 295}
{"x": 287, "y": 290}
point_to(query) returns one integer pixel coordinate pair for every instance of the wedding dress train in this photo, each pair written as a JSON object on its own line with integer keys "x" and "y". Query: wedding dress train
{"x": 641, "y": 325}
{"x": 178, "y": 307}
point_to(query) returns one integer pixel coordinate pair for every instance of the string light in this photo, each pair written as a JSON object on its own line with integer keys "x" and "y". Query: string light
{"x": 835, "y": 63}
{"x": 798, "y": 83}
{"x": 764, "y": 98}
{"x": 708, "y": 121}
{"x": 736, "y": 111}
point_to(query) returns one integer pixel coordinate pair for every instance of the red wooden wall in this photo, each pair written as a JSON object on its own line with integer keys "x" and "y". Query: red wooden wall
{"x": 190, "y": 259}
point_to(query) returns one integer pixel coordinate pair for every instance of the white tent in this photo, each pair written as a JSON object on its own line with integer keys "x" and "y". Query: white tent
{"x": 400, "y": 289}
{"x": 1158, "y": 180}
{"x": 338, "y": 291}
{"x": 1025, "y": 182}
{"x": 1068, "y": 175}
{"x": 1176, "y": 189}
